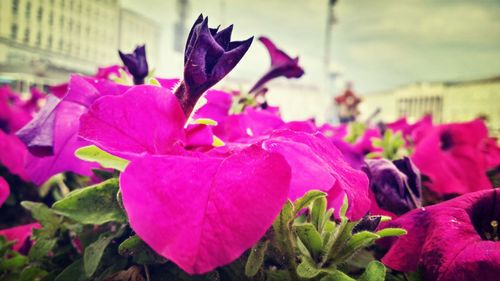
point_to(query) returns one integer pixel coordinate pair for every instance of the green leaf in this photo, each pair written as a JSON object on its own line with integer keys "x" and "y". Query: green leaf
{"x": 337, "y": 276}
{"x": 43, "y": 214}
{"x": 343, "y": 209}
{"x": 356, "y": 242}
{"x": 388, "y": 232}
{"x": 74, "y": 272}
{"x": 310, "y": 237}
{"x": 14, "y": 263}
{"x": 307, "y": 199}
{"x": 281, "y": 225}
{"x": 95, "y": 204}
{"x": 375, "y": 271}
{"x": 318, "y": 213}
{"x": 32, "y": 273}
{"x": 42, "y": 246}
{"x": 92, "y": 153}
{"x": 307, "y": 270}
{"x": 140, "y": 251}
{"x": 95, "y": 251}
{"x": 256, "y": 258}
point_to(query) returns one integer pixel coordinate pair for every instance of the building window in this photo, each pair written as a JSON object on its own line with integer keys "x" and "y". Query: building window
{"x": 39, "y": 15}
{"x": 28, "y": 10}
{"x": 38, "y": 38}
{"x": 51, "y": 18}
{"x": 13, "y": 31}
{"x": 26, "y": 35}
{"x": 15, "y": 6}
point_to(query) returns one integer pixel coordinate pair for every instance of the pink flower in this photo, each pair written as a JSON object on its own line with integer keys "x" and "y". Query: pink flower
{"x": 200, "y": 211}
{"x": 4, "y": 191}
{"x": 191, "y": 197}
{"x": 20, "y": 234}
{"x": 455, "y": 240}
{"x": 451, "y": 157}
{"x": 51, "y": 136}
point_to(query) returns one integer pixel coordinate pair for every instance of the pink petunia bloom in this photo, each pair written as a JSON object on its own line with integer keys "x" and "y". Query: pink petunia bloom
{"x": 203, "y": 204}
{"x": 317, "y": 164}
{"x": 451, "y": 157}
{"x": 456, "y": 240}
{"x": 51, "y": 137}
{"x": 281, "y": 65}
{"x": 191, "y": 197}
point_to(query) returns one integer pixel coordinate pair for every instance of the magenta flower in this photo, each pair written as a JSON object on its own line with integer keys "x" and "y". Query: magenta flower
{"x": 51, "y": 137}
{"x": 195, "y": 200}
{"x": 456, "y": 240}
{"x": 209, "y": 56}
{"x": 191, "y": 197}
{"x": 144, "y": 119}
{"x": 13, "y": 115}
{"x": 396, "y": 185}
{"x": 108, "y": 71}
{"x": 281, "y": 65}
{"x": 407, "y": 129}
{"x": 20, "y": 234}
{"x": 4, "y": 190}
{"x": 136, "y": 64}
{"x": 451, "y": 157}
{"x": 317, "y": 164}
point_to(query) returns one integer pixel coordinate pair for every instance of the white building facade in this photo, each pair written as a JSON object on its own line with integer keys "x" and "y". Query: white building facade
{"x": 42, "y": 41}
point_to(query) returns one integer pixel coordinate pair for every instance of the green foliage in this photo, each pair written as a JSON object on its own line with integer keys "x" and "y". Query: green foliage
{"x": 313, "y": 246}
{"x": 392, "y": 145}
{"x": 95, "y": 204}
{"x": 354, "y": 131}
{"x": 86, "y": 236}
{"x": 140, "y": 252}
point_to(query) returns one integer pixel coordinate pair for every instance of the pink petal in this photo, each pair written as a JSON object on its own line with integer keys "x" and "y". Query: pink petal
{"x": 317, "y": 164}
{"x": 66, "y": 141}
{"x": 13, "y": 152}
{"x": 19, "y": 233}
{"x": 203, "y": 212}
{"x": 4, "y": 191}
{"x": 144, "y": 119}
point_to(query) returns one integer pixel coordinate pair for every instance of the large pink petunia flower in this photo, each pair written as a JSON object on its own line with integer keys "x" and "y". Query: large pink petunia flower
{"x": 455, "y": 240}
{"x": 451, "y": 156}
{"x": 200, "y": 207}
{"x": 191, "y": 197}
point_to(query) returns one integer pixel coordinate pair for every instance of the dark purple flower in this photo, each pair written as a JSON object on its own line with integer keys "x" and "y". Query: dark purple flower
{"x": 456, "y": 240}
{"x": 396, "y": 185}
{"x": 281, "y": 65}
{"x": 209, "y": 56}
{"x": 136, "y": 64}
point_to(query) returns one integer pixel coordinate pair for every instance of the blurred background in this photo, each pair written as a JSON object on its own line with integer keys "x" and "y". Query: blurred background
{"x": 403, "y": 58}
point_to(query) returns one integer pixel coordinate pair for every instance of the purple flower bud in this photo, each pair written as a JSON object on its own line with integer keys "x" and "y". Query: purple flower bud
{"x": 136, "y": 64}
{"x": 209, "y": 56}
{"x": 281, "y": 65}
{"x": 396, "y": 185}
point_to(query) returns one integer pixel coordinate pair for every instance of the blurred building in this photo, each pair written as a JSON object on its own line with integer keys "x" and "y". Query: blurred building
{"x": 42, "y": 41}
{"x": 446, "y": 101}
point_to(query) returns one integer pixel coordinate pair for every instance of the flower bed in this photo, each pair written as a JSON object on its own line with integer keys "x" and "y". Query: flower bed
{"x": 124, "y": 176}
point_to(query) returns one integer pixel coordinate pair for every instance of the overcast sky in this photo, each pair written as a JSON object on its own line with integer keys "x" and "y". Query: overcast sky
{"x": 376, "y": 44}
